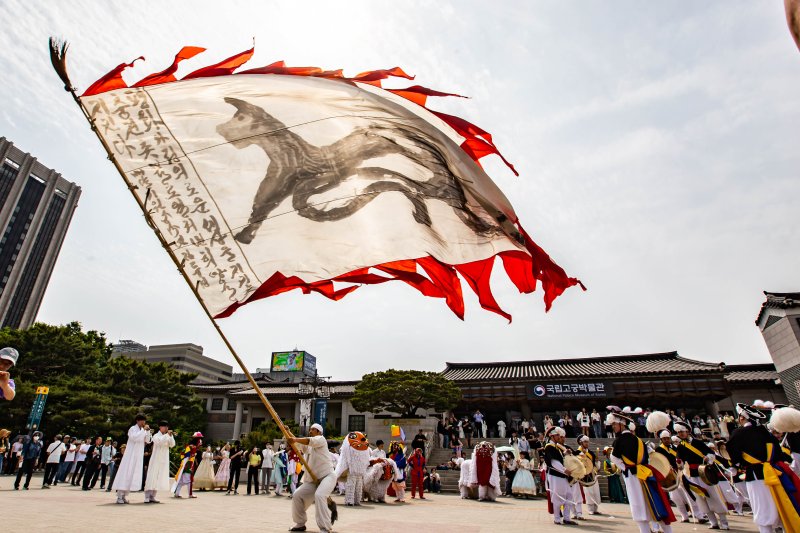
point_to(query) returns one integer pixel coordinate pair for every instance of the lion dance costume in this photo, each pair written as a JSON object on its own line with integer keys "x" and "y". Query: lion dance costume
{"x": 354, "y": 460}
{"x": 484, "y": 472}
{"x": 379, "y": 476}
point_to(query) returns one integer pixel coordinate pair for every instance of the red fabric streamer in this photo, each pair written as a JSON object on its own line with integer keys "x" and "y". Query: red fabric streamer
{"x": 111, "y": 81}
{"x": 224, "y": 67}
{"x": 167, "y": 75}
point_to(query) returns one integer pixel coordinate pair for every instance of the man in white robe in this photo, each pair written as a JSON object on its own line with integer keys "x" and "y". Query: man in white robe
{"x": 158, "y": 470}
{"x": 501, "y": 429}
{"x": 315, "y": 450}
{"x": 129, "y": 474}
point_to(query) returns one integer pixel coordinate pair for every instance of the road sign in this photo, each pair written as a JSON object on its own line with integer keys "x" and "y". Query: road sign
{"x": 37, "y": 410}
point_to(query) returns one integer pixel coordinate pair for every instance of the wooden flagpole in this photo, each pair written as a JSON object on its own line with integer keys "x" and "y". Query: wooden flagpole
{"x": 58, "y": 58}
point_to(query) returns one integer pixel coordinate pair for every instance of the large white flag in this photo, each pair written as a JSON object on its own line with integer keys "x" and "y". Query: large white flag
{"x": 281, "y": 178}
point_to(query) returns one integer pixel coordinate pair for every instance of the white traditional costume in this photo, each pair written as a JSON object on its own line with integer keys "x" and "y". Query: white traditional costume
{"x": 467, "y": 490}
{"x": 648, "y": 501}
{"x": 591, "y": 492}
{"x": 485, "y": 472}
{"x": 354, "y": 460}
{"x": 709, "y": 498}
{"x": 558, "y": 489}
{"x": 128, "y": 476}
{"x": 767, "y": 472}
{"x": 158, "y": 468}
{"x": 318, "y": 459}
{"x": 379, "y": 476}
{"x": 523, "y": 484}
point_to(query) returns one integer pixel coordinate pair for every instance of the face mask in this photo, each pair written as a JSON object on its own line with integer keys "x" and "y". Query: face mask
{"x": 35, "y": 439}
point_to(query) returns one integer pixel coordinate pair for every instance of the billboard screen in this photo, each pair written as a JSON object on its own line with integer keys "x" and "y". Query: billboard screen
{"x": 287, "y": 361}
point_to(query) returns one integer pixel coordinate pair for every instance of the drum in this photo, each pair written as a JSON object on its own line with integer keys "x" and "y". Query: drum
{"x": 709, "y": 474}
{"x": 590, "y": 478}
{"x": 575, "y": 467}
{"x": 668, "y": 478}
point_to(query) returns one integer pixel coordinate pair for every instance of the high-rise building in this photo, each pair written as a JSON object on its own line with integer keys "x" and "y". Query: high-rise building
{"x": 36, "y": 207}
{"x": 779, "y": 322}
{"x": 127, "y": 346}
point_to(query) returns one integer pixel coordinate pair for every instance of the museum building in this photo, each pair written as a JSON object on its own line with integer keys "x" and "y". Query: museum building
{"x": 503, "y": 390}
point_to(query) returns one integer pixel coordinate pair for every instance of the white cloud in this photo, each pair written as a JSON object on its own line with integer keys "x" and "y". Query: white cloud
{"x": 657, "y": 151}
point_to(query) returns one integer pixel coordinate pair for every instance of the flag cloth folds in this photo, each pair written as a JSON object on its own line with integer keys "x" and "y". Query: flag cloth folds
{"x": 279, "y": 178}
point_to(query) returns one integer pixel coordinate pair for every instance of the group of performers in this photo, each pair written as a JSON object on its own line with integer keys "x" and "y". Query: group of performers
{"x": 128, "y": 477}
{"x": 571, "y": 477}
{"x": 757, "y": 466}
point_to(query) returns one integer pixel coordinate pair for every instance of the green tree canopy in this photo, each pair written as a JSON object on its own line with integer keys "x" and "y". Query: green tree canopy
{"x": 405, "y": 392}
{"x": 91, "y": 393}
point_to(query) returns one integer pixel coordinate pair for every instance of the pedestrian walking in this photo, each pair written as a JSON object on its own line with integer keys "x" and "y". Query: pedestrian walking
{"x": 53, "y": 460}
{"x": 30, "y": 454}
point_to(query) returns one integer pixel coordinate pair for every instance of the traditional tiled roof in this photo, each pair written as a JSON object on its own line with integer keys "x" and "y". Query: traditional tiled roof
{"x": 220, "y": 387}
{"x": 593, "y": 367}
{"x": 778, "y": 300}
{"x": 753, "y": 373}
{"x": 338, "y": 388}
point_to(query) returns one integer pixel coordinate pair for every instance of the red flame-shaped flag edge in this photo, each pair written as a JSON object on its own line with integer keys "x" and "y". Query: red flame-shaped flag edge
{"x": 442, "y": 282}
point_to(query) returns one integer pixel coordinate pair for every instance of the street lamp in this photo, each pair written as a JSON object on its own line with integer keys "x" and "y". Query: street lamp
{"x": 309, "y": 389}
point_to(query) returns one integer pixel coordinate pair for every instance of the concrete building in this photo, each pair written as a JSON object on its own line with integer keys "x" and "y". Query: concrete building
{"x": 184, "y": 357}
{"x": 127, "y": 346}
{"x": 779, "y": 322}
{"x": 36, "y": 207}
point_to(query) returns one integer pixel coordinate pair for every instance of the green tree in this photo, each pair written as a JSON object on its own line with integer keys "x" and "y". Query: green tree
{"x": 405, "y": 392}
{"x": 91, "y": 393}
{"x": 155, "y": 389}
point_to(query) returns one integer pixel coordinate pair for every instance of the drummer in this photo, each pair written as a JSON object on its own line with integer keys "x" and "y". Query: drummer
{"x": 695, "y": 453}
{"x": 648, "y": 501}
{"x": 678, "y": 494}
{"x": 576, "y": 489}
{"x": 726, "y": 484}
{"x": 758, "y": 452}
{"x": 591, "y": 489}
{"x": 558, "y": 489}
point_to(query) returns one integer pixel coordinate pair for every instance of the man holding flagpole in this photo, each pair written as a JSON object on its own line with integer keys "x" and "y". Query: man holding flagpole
{"x": 315, "y": 451}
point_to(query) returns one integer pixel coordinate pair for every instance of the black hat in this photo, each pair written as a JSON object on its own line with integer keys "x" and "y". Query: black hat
{"x": 749, "y": 412}
{"x": 163, "y": 423}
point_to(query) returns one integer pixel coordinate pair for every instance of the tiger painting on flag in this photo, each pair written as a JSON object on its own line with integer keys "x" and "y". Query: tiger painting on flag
{"x": 279, "y": 178}
{"x": 300, "y": 170}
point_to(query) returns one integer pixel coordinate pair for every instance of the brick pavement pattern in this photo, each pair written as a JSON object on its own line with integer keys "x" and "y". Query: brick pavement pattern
{"x": 67, "y": 508}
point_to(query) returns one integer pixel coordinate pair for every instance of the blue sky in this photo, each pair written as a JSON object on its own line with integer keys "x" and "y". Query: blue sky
{"x": 656, "y": 143}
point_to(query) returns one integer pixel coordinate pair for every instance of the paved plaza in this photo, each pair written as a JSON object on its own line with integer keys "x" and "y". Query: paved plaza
{"x": 67, "y": 508}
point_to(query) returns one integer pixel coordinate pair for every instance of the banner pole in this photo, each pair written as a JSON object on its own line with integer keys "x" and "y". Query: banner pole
{"x": 164, "y": 244}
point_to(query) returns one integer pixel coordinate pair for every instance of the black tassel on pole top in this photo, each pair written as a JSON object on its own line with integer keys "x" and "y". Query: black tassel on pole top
{"x": 58, "y": 56}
